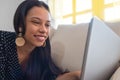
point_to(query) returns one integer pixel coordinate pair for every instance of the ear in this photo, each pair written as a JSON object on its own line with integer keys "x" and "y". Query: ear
{"x": 20, "y": 29}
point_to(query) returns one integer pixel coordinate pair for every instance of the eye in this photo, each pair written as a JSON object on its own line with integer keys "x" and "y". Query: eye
{"x": 48, "y": 25}
{"x": 36, "y": 22}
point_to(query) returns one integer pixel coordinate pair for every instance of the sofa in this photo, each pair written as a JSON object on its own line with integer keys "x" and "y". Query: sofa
{"x": 68, "y": 44}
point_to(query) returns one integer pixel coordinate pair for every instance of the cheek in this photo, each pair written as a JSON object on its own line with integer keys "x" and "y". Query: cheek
{"x": 48, "y": 31}
{"x": 31, "y": 28}
{"x": 30, "y": 32}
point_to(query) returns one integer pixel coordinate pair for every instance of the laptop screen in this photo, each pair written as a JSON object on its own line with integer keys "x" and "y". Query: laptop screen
{"x": 102, "y": 52}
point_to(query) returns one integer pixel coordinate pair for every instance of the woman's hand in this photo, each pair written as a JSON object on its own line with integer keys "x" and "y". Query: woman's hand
{"x": 75, "y": 75}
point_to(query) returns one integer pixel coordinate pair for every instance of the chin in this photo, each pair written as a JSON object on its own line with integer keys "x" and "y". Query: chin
{"x": 39, "y": 44}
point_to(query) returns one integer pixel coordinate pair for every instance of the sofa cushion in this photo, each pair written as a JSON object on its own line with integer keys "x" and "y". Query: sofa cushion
{"x": 67, "y": 46}
{"x": 52, "y": 30}
{"x": 116, "y": 75}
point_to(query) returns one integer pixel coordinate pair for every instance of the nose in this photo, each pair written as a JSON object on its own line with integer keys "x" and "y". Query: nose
{"x": 43, "y": 28}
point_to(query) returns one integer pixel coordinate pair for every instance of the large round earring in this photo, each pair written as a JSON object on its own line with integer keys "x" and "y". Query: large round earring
{"x": 20, "y": 40}
{"x": 44, "y": 44}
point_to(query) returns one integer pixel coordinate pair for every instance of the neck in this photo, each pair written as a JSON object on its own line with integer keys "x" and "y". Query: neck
{"x": 26, "y": 49}
{"x": 24, "y": 52}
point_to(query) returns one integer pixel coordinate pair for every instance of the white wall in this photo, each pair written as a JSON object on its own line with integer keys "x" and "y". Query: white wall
{"x": 7, "y": 10}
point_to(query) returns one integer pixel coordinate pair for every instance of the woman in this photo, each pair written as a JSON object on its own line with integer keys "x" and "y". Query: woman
{"x": 26, "y": 54}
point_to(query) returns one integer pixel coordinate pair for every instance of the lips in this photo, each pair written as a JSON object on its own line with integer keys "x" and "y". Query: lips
{"x": 40, "y": 38}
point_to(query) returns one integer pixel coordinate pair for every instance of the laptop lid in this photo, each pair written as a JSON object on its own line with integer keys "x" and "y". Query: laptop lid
{"x": 102, "y": 52}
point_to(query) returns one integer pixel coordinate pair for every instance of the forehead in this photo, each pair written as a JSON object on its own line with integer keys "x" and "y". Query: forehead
{"x": 39, "y": 12}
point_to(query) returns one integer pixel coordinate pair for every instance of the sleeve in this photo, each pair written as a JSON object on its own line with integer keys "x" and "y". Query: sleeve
{"x": 2, "y": 58}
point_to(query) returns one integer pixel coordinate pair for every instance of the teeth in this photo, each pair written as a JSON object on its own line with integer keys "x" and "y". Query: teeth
{"x": 41, "y": 38}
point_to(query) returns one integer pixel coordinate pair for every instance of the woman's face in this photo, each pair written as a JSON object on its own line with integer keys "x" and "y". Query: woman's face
{"x": 37, "y": 26}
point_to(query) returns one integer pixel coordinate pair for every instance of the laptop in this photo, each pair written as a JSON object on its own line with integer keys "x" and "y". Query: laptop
{"x": 102, "y": 52}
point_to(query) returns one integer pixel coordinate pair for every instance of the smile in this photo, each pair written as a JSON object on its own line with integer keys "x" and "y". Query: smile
{"x": 40, "y": 38}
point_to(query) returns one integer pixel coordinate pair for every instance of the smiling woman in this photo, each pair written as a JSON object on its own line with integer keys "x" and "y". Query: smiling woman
{"x": 37, "y": 26}
{"x": 26, "y": 53}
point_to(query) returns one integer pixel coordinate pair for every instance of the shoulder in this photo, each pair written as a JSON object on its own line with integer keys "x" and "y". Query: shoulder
{"x": 7, "y": 35}
{"x": 7, "y": 39}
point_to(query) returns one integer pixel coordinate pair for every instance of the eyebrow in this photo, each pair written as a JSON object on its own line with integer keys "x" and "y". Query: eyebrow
{"x": 39, "y": 19}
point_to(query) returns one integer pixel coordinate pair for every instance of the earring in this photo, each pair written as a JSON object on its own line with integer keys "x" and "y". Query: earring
{"x": 44, "y": 44}
{"x": 20, "y": 40}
